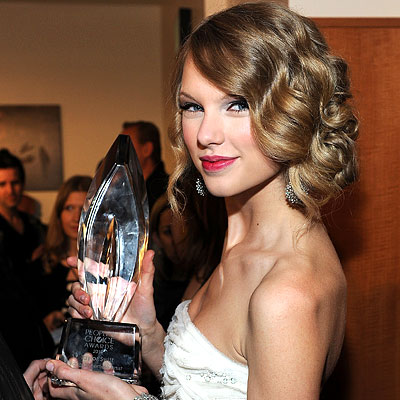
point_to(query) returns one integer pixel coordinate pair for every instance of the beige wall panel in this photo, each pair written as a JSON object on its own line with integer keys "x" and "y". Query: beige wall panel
{"x": 100, "y": 62}
{"x": 365, "y": 227}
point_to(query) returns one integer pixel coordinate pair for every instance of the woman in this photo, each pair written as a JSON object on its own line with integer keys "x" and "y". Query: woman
{"x": 263, "y": 120}
{"x": 60, "y": 243}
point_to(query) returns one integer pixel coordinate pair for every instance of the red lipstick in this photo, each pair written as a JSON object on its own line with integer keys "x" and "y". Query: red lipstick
{"x": 216, "y": 163}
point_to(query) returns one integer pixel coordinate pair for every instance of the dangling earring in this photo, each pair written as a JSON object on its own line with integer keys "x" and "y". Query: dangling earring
{"x": 291, "y": 196}
{"x": 200, "y": 188}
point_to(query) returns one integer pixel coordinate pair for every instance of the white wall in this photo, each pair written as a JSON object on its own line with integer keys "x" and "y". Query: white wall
{"x": 347, "y": 8}
{"x": 101, "y": 63}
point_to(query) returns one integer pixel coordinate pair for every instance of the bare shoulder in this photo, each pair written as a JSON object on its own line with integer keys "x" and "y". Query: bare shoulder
{"x": 299, "y": 284}
{"x": 299, "y": 309}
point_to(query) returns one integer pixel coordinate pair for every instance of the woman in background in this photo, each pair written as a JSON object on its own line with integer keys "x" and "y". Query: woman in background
{"x": 172, "y": 276}
{"x": 188, "y": 248}
{"x": 61, "y": 243}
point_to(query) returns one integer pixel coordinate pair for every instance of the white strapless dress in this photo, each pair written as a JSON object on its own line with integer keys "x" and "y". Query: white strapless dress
{"x": 194, "y": 369}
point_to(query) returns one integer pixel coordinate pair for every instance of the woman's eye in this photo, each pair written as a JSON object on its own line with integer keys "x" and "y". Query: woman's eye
{"x": 166, "y": 231}
{"x": 68, "y": 208}
{"x": 190, "y": 107}
{"x": 238, "y": 106}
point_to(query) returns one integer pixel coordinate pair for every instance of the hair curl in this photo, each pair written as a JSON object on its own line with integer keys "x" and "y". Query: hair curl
{"x": 297, "y": 93}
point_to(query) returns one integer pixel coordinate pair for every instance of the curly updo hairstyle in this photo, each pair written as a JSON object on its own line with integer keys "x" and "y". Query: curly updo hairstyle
{"x": 297, "y": 93}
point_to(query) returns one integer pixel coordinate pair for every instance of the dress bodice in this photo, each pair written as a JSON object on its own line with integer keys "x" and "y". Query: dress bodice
{"x": 194, "y": 369}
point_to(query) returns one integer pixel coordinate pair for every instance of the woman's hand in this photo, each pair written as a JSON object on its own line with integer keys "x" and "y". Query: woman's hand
{"x": 36, "y": 378}
{"x": 89, "y": 385}
{"x": 141, "y": 310}
{"x": 79, "y": 300}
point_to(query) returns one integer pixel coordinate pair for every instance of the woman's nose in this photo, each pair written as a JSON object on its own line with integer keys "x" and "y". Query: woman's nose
{"x": 77, "y": 213}
{"x": 211, "y": 131}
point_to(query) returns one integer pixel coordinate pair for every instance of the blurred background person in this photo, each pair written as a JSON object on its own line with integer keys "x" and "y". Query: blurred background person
{"x": 60, "y": 243}
{"x": 21, "y": 238}
{"x": 187, "y": 250}
{"x": 145, "y": 138}
{"x": 22, "y": 233}
{"x": 172, "y": 276}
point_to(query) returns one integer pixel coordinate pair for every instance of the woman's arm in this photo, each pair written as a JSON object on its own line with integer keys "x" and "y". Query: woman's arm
{"x": 286, "y": 346}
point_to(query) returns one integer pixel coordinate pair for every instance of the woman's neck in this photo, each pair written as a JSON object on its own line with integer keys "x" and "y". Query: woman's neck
{"x": 261, "y": 214}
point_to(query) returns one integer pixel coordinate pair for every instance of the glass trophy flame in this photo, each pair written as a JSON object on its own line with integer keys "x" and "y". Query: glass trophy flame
{"x": 112, "y": 239}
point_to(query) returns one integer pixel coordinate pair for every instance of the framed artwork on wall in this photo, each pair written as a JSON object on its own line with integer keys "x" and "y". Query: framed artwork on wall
{"x": 33, "y": 134}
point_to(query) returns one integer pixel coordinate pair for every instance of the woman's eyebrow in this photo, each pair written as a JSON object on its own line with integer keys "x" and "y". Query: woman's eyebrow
{"x": 223, "y": 98}
{"x": 184, "y": 94}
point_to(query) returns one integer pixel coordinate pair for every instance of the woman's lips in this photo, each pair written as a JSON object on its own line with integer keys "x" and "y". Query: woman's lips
{"x": 216, "y": 163}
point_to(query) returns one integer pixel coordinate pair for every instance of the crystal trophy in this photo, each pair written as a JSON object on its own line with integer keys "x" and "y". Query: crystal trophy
{"x": 112, "y": 239}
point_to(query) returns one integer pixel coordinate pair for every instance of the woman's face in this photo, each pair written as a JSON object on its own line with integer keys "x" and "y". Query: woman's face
{"x": 71, "y": 212}
{"x": 217, "y": 133}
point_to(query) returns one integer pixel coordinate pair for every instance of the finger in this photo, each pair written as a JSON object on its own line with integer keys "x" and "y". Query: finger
{"x": 63, "y": 371}
{"x": 76, "y": 309}
{"x": 83, "y": 312}
{"x": 79, "y": 294}
{"x": 40, "y": 388}
{"x": 72, "y": 261}
{"x": 147, "y": 273}
{"x": 33, "y": 371}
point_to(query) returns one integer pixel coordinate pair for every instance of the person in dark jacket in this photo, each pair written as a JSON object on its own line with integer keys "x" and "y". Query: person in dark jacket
{"x": 21, "y": 237}
{"x": 145, "y": 138}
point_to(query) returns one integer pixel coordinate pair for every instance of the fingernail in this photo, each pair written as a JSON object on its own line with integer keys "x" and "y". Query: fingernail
{"x": 50, "y": 366}
{"x": 87, "y": 313}
{"x": 82, "y": 299}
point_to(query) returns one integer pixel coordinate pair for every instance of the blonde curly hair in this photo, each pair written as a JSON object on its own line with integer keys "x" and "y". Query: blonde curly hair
{"x": 297, "y": 93}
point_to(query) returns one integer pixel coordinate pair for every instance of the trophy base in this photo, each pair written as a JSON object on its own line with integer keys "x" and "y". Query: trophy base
{"x": 110, "y": 347}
